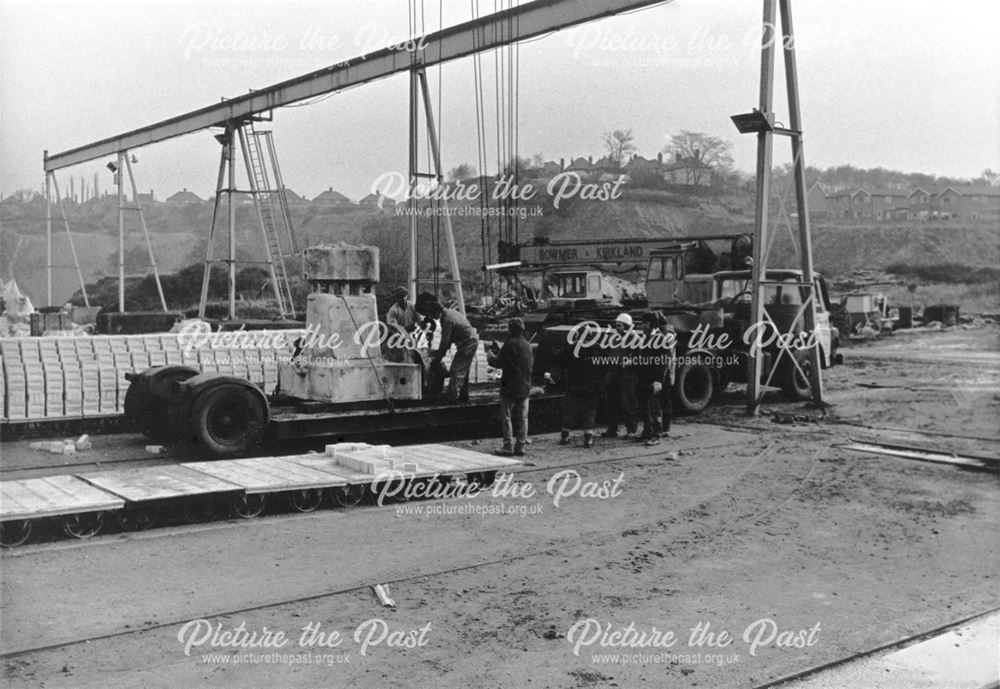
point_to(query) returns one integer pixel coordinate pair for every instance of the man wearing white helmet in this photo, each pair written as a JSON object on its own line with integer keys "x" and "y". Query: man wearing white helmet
{"x": 619, "y": 392}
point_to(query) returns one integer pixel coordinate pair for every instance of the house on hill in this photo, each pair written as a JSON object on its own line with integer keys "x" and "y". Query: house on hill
{"x": 581, "y": 166}
{"x": 332, "y": 199}
{"x": 294, "y": 199}
{"x": 371, "y": 202}
{"x": 550, "y": 169}
{"x": 817, "y": 203}
{"x": 849, "y": 204}
{"x": 692, "y": 171}
{"x": 889, "y": 204}
{"x": 969, "y": 202}
{"x": 184, "y": 197}
{"x": 920, "y": 202}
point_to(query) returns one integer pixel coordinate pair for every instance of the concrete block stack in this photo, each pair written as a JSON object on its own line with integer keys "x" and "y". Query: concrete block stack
{"x": 70, "y": 377}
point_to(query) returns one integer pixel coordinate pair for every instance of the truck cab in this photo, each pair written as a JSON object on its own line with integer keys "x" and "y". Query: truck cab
{"x": 573, "y": 287}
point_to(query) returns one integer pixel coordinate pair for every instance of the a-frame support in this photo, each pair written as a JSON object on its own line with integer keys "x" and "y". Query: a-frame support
{"x": 51, "y": 183}
{"x": 270, "y": 205}
{"x": 420, "y": 91}
{"x": 765, "y": 143}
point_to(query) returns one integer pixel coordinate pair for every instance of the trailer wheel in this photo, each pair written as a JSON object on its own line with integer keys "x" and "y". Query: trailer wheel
{"x": 247, "y": 506}
{"x": 482, "y": 479}
{"x": 15, "y": 532}
{"x": 137, "y": 518}
{"x": 796, "y": 386}
{"x": 228, "y": 419}
{"x": 694, "y": 386}
{"x": 306, "y": 500}
{"x": 83, "y": 525}
{"x": 347, "y": 496}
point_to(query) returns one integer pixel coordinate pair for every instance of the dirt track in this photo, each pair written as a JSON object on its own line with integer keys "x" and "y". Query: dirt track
{"x": 762, "y": 522}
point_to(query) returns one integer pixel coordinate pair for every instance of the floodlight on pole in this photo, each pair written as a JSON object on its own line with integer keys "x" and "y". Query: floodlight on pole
{"x": 754, "y": 122}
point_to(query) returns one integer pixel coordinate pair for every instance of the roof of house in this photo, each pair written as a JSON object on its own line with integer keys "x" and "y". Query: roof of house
{"x": 849, "y": 191}
{"x": 184, "y": 196}
{"x": 580, "y": 163}
{"x": 889, "y": 192}
{"x": 817, "y": 185}
{"x": 971, "y": 190}
{"x": 331, "y": 197}
{"x": 373, "y": 200}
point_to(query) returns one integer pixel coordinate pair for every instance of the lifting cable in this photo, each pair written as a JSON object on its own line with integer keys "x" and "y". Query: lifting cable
{"x": 385, "y": 393}
{"x": 481, "y": 155}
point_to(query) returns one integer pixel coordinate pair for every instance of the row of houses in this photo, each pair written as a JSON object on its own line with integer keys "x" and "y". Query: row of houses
{"x": 958, "y": 202}
{"x": 683, "y": 170}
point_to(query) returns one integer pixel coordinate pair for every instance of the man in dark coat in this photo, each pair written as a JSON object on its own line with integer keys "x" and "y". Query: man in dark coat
{"x": 455, "y": 330}
{"x": 515, "y": 359}
{"x": 651, "y": 376}
{"x": 582, "y": 381}
{"x": 620, "y": 383}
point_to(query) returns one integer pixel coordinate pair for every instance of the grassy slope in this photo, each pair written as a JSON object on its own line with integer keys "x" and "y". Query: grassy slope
{"x": 179, "y": 235}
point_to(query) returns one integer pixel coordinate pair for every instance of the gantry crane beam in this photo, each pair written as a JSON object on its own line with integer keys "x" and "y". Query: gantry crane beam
{"x": 520, "y": 23}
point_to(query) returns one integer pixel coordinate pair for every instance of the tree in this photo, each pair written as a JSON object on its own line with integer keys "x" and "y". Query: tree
{"x": 714, "y": 152}
{"x": 619, "y": 144}
{"x": 989, "y": 178}
{"x": 463, "y": 171}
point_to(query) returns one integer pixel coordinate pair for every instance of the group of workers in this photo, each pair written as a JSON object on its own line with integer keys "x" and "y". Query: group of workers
{"x": 634, "y": 379}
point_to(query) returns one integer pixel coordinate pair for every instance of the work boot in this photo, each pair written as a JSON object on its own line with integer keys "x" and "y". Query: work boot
{"x": 504, "y": 452}
{"x": 588, "y": 440}
{"x": 518, "y": 451}
{"x": 653, "y": 441}
{"x": 564, "y": 438}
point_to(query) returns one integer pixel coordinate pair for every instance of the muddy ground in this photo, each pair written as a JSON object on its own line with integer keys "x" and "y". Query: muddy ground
{"x": 800, "y": 551}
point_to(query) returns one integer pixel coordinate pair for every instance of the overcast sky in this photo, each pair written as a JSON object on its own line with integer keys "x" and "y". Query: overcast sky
{"x": 913, "y": 86}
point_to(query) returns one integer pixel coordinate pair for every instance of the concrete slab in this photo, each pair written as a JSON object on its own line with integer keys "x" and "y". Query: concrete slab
{"x": 964, "y": 657}
{"x": 52, "y": 496}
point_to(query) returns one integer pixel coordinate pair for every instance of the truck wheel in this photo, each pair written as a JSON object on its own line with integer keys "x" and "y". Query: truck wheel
{"x": 146, "y": 407}
{"x": 694, "y": 387}
{"x": 228, "y": 420}
{"x": 796, "y": 386}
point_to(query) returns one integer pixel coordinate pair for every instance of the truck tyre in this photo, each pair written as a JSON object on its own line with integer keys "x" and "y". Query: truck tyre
{"x": 228, "y": 420}
{"x": 694, "y": 386}
{"x": 145, "y": 403}
{"x": 796, "y": 386}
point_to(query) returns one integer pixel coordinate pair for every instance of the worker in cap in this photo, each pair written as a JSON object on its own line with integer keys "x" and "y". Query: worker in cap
{"x": 620, "y": 382}
{"x": 515, "y": 359}
{"x": 402, "y": 316}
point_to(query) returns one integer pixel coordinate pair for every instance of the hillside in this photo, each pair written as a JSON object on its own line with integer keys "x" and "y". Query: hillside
{"x": 179, "y": 236}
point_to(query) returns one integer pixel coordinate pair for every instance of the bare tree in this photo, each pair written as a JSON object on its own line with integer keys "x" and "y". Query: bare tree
{"x": 714, "y": 152}
{"x": 618, "y": 145}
